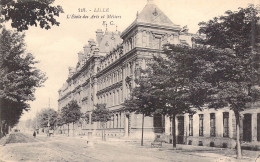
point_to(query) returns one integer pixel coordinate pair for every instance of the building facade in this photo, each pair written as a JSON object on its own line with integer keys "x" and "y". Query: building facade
{"x": 105, "y": 73}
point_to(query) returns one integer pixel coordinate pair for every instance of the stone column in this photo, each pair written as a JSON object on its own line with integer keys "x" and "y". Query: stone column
{"x": 167, "y": 125}
{"x": 219, "y": 124}
{"x": 138, "y": 39}
{"x": 230, "y": 122}
{"x": 126, "y": 125}
{"x": 254, "y": 127}
{"x": 123, "y": 83}
{"x": 206, "y": 124}
{"x": 95, "y": 91}
{"x": 133, "y": 80}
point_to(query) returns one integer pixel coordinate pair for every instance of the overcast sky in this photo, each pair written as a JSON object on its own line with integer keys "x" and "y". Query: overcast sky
{"x": 57, "y": 48}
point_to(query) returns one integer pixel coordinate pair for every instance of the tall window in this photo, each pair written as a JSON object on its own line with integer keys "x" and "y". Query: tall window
{"x": 190, "y": 125}
{"x": 144, "y": 39}
{"x": 225, "y": 124}
{"x": 157, "y": 43}
{"x": 212, "y": 125}
{"x": 113, "y": 121}
{"x": 116, "y": 120}
{"x": 201, "y": 118}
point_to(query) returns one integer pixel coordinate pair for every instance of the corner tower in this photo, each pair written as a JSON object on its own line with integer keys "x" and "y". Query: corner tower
{"x": 141, "y": 40}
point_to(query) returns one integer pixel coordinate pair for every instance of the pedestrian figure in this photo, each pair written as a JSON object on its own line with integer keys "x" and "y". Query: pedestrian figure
{"x": 34, "y": 134}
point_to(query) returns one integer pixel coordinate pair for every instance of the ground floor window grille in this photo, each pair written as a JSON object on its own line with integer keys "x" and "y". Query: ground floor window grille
{"x": 212, "y": 125}
{"x": 201, "y": 118}
{"x": 190, "y": 125}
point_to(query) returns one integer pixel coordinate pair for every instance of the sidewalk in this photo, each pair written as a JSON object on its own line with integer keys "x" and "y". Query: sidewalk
{"x": 221, "y": 154}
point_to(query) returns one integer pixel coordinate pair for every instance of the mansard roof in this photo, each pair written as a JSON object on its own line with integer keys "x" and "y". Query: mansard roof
{"x": 109, "y": 41}
{"x": 151, "y": 15}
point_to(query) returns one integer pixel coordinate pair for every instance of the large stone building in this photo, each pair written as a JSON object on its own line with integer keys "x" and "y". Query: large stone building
{"x": 105, "y": 73}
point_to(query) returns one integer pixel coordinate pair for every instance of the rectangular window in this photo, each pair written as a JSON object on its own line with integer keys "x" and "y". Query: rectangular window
{"x": 116, "y": 120}
{"x": 225, "y": 124}
{"x": 190, "y": 125}
{"x": 212, "y": 125}
{"x": 113, "y": 121}
{"x": 157, "y": 43}
{"x": 201, "y": 118}
{"x": 144, "y": 39}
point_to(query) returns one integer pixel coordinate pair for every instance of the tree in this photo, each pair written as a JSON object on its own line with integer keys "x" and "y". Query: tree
{"x": 176, "y": 82}
{"x": 103, "y": 115}
{"x": 84, "y": 118}
{"x": 141, "y": 100}
{"x": 18, "y": 78}
{"x": 71, "y": 113}
{"x": 47, "y": 118}
{"x": 24, "y": 13}
{"x": 59, "y": 120}
{"x": 236, "y": 76}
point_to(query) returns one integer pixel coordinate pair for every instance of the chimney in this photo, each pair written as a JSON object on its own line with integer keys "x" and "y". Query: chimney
{"x": 80, "y": 56}
{"x": 71, "y": 71}
{"x": 99, "y": 35}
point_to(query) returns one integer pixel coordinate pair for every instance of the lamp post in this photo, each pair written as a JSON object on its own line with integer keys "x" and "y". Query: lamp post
{"x": 48, "y": 125}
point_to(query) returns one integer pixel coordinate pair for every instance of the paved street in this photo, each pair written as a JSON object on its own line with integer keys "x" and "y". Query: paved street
{"x": 23, "y": 147}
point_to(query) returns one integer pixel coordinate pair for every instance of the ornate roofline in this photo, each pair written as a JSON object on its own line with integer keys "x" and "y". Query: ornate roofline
{"x": 157, "y": 26}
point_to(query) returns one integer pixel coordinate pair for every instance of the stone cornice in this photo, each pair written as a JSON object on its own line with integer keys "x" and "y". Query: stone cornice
{"x": 65, "y": 96}
{"x": 125, "y": 56}
{"x": 109, "y": 88}
{"x": 156, "y": 26}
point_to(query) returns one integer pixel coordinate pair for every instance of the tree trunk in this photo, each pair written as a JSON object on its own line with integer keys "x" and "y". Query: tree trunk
{"x": 73, "y": 128}
{"x": 142, "y": 139}
{"x": 173, "y": 131}
{"x": 68, "y": 129}
{"x": 1, "y": 128}
{"x": 1, "y": 125}
{"x": 1, "y": 121}
{"x": 239, "y": 151}
{"x": 104, "y": 131}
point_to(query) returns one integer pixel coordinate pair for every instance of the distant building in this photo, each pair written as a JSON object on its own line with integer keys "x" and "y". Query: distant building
{"x": 105, "y": 73}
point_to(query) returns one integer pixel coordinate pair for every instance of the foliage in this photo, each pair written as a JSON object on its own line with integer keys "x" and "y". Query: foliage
{"x": 235, "y": 30}
{"x": 18, "y": 77}
{"x": 85, "y": 117}
{"x": 176, "y": 80}
{"x": 47, "y": 116}
{"x": 101, "y": 114}
{"x": 236, "y": 75}
{"x": 59, "y": 120}
{"x": 71, "y": 112}
{"x": 141, "y": 100}
{"x": 24, "y": 13}
{"x": 173, "y": 84}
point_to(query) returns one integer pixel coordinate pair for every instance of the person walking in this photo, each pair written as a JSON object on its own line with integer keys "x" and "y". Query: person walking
{"x": 34, "y": 134}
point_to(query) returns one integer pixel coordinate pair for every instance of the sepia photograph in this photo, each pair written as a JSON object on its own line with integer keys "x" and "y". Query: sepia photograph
{"x": 130, "y": 81}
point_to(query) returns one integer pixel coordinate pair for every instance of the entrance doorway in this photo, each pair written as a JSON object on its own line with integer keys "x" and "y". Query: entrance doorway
{"x": 247, "y": 127}
{"x": 180, "y": 136}
{"x": 158, "y": 123}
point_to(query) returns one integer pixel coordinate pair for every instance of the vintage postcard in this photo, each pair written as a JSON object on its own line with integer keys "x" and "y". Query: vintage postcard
{"x": 132, "y": 80}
